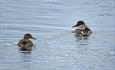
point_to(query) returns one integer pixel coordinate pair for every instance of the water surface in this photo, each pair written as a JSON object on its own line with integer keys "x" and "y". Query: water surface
{"x": 51, "y": 21}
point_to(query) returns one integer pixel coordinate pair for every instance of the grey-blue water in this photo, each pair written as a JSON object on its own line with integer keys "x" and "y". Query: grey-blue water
{"x": 51, "y": 21}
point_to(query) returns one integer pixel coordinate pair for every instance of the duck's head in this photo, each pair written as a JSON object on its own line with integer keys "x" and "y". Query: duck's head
{"x": 79, "y": 23}
{"x": 28, "y": 36}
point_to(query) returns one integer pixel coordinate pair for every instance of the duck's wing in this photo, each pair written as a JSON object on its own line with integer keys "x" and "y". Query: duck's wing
{"x": 25, "y": 43}
{"x": 20, "y": 43}
{"x": 88, "y": 29}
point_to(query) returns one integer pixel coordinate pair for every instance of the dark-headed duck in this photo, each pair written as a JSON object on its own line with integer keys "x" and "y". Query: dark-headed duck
{"x": 82, "y": 29}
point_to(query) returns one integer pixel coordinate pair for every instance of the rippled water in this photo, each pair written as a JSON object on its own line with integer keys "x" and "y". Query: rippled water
{"x": 51, "y": 21}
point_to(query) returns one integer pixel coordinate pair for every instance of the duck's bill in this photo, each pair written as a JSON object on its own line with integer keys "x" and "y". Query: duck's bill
{"x": 75, "y": 26}
{"x": 33, "y": 38}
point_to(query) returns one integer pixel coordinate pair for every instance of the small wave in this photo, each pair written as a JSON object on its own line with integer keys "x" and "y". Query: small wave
{"x": 112, "y": 53}
{"x": 53, "y": 27}
{"x": 55, "y": 3}
{"x": 105, "y": 14}
{"x": 7, "y": 44}
{"x": 15, "y": 42}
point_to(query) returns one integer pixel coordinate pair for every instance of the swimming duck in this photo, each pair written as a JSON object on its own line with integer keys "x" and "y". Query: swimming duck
{"x": 82, "y": 29}
{"x": 26, "y": 44}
